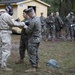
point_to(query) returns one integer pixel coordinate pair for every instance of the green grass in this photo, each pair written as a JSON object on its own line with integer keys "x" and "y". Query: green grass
{"x": 63, "y": 52}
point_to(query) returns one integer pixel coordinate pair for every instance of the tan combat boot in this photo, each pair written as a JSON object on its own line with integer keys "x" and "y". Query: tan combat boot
{"x": 20, "y": 61}
{"x": 31, "y": 70}
{"x": 6, "y": 69}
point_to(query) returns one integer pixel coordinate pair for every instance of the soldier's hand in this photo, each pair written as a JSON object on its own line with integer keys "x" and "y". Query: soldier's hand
{"x": 25, "y": 26}
{"x": 22, "y": 25}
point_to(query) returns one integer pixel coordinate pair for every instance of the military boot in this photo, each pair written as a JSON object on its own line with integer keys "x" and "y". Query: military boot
{"x": 31, "y": 70}
{"x": 37, "y": 66}
{"x": 6, "y": 69}
{"x": 20, "y": 61}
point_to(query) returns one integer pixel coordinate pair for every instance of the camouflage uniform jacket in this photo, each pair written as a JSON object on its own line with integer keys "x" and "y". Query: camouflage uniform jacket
{"x": 49, "y": 21}
{"x": 34, "y": 30}
{"x": 69, "y": 20}
{"x": 58, "y": 21}
{"x": 23, "y": 33}
{"x": 42, "y": 19}
{"x": 6, "y": 22}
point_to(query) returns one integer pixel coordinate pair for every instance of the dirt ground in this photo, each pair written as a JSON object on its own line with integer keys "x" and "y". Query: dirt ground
{"x": 62, "y": 51}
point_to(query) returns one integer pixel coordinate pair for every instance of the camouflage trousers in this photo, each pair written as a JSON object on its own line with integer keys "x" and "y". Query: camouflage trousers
{"x": 43, "y": 31}
{"x": 50, "y": 32}
{"x": 33, "y": 54}
{"x": 69, "y": 32}
{"x": 5, "y": 47}
{"x": 23, "y": 45}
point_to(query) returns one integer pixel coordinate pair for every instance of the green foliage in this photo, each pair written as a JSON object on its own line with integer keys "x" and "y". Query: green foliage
{"x": 67, "y": 6}
{"x": 54, "y": 5}
{"x": 63, "y": 6}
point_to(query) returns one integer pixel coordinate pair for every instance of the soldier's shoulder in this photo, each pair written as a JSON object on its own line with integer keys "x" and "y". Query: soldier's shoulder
{"x": 36, "y": 19}
{"x": 58, "y": 17}
{"x": 5, "y": 14}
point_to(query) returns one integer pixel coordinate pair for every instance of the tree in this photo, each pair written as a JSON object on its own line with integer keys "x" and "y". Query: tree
{"x": 54, "y": 5}
{"x": 63, "y": 6}
{"x": 67, "y": 6}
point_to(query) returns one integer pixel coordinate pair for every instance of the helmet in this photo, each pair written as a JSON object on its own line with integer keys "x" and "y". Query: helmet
{"x": 53, "y": 63}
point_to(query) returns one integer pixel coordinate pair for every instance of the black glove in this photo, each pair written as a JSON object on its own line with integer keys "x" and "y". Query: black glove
{"x": 27, "y": 23}
{"x": 18, "y": 20}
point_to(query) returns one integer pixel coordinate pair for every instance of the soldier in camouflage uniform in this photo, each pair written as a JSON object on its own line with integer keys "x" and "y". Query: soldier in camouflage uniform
{"x": 34, "y": 32}
{"x": 58, "y": 25}
{"x": 24, "y": 39}
{"x": 68, "y": 21}
{"x": 50, "y": 27}
{"x": 43, "y": 24}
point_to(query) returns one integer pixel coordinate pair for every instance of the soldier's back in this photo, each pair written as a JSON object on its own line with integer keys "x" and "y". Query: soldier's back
{"x": 35, "y": 36}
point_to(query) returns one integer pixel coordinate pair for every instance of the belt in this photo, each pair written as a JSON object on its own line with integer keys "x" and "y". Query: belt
{"x": 5, "y": 29}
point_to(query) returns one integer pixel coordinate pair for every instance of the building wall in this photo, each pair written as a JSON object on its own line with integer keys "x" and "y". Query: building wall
{"x": 2, "y": 7}
{"x": 39, "y": 8}
{"x": 15, "y": 16}
{"x": 18, "y": 9}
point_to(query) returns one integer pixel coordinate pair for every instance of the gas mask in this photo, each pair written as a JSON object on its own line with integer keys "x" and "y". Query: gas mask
{"x": 9, "y": 9}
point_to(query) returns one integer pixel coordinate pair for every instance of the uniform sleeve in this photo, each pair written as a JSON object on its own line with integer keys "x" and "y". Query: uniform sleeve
{"x": 65, "y": 21}
{"x": 30, "y": 28}
{"x": 74, "y": 20}
{"x": 46, "y": 20}
{"x": 53, "y": 20}
{"x": 11, "y": 22}
{"x": 60, "y": 20}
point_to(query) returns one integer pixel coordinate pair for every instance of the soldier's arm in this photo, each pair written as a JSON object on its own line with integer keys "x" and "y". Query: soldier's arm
{"x": 53, "y": 19}
{"x": 60, "y": 20}
{"x": 65, "y": 20}
{"x": 46, "y": 20}
{"x": 11, "y": 22}
{"x": 74, "y": 20}
{"x": 68, "y": 20}
{"x": 30, "y": 28}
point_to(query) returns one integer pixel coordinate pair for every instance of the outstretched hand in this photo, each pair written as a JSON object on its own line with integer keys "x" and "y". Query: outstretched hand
{"x": 25, "y": 26}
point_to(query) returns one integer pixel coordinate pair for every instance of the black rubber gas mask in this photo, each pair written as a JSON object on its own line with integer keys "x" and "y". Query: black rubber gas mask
{"x": 9, "y": 9}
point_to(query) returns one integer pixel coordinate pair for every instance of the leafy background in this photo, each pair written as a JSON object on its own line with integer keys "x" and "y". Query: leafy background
{"x": 63, "y": 6}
